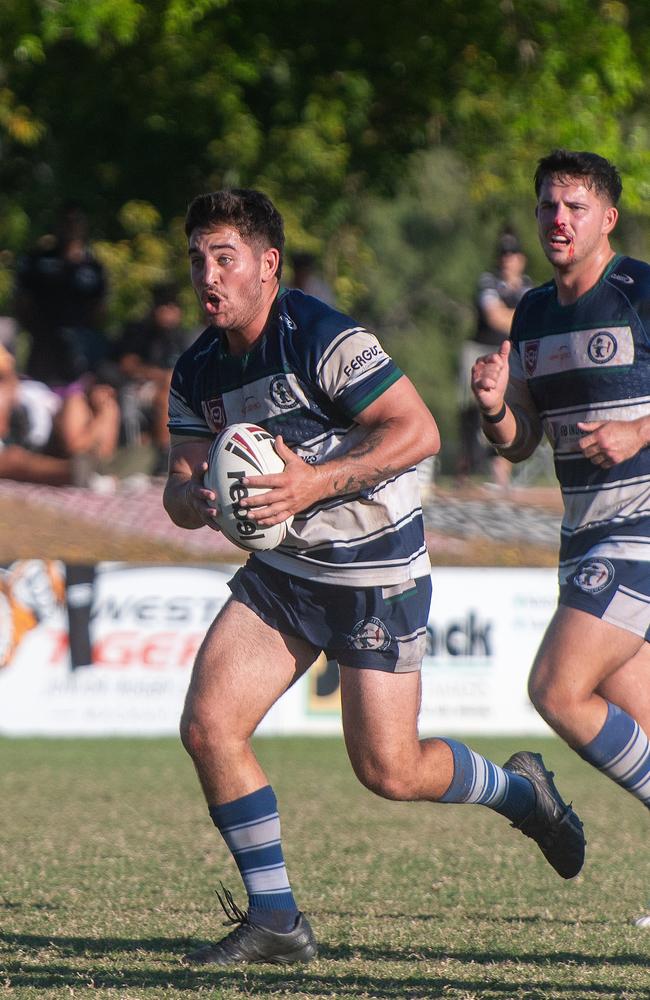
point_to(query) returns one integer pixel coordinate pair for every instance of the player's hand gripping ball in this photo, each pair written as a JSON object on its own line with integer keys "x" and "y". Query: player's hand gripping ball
{"x": 243, "y": 450}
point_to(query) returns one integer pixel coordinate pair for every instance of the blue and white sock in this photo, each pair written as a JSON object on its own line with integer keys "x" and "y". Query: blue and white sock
{"x": 250, "y": 827}
{"x": 622, "y": 752}
{"x": 477, "y": 780}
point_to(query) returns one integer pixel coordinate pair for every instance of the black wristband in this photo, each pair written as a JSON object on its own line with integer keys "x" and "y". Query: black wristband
{"x": 495, "y": 418}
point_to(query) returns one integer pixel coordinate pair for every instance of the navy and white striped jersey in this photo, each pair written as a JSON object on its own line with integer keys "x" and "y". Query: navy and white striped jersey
{"x": 590, "y": 361}
{"x": 313, "y": 370}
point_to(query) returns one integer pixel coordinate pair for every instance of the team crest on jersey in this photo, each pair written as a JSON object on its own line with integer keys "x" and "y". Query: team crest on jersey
{"x": 281, "y": 394}
{"x": 594, "y": 575}
{"x": 370, "y": 634}
{"x": 531, "y": 355}
{"x": 602, "y": 347}
{"x": 214, "y": 412}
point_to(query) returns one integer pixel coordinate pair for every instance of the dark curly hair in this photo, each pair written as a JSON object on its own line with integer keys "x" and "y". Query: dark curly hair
{"x": 250, "y": 212}
{"x": 595, "y": 170}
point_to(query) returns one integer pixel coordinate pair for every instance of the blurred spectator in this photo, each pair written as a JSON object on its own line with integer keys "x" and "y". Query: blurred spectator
{"x": 33, "y": 433}
{"x": 308, "y": 280}
{"x": 59, "y": 300}
{"x": 8, "y": 333}
{"x": 498, "y": 293}
{"x": 146, "y": 355}
{"x": 60, "y": 297}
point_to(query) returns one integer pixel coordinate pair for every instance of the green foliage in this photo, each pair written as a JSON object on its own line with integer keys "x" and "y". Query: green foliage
{"x": 146, "y": 255}
{"x": 395, "y": 141}
{"x": 120, "y": 100}
{"x": 426, "y": 248}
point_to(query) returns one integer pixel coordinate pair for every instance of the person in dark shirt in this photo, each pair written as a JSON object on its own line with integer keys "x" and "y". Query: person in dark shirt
{"x": 498, "y": 293}
{"x": 59, "y": 300}
{"x": 146, "y": 355}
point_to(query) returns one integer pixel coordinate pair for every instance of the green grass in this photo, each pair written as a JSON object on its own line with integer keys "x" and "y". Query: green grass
{"x": 108, "y": 862}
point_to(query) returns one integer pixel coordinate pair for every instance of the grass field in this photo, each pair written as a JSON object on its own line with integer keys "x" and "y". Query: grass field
{"x": 109, "y": 862}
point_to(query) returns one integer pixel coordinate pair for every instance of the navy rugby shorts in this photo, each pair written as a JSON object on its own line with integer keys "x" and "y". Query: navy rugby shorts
{"x": 614, "y": 590}
{"x": 380, "y": 628}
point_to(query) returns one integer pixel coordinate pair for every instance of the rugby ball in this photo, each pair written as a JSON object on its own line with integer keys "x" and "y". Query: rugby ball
{"x": 243, "y": 450}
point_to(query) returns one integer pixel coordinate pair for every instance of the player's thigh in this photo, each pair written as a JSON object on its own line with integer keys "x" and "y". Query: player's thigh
{"x": 380, "y": 715}
{"x": 578, "y": 652}
{"x": 242, "y": 668}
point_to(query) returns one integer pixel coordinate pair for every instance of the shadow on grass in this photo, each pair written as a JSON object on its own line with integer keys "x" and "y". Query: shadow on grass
{"x": 107, "y": 946}
{"x": 428, "y": 917}
{"x": 305, "y": 981}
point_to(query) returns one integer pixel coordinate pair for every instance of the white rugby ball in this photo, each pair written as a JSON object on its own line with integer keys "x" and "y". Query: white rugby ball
{"x": 243, "y": 450}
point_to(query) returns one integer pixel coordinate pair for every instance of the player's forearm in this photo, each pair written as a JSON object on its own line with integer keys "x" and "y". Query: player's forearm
{"x": 643, "y": 429}
{"x": 385, "y": 451}
{"x": 518, "y": 439}
{"x": 499, "y": 425}
{"x": 176, "y": 503}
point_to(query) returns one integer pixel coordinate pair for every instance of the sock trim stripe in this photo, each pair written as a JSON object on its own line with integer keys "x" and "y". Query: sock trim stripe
{"x": 252, "y": 835}
{"x": 267, "y": 882}
{"x": 640, "y": 764}
{"x": 265, "y": 868}
{"x": 256, "y": 847}
{"x": 247, "y": 824}
{"x": 484, "y": 774}
{"x": 630, "y": 757}
{"x": 641, "y": 788}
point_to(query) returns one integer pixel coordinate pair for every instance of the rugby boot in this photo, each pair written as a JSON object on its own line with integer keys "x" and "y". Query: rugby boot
{"x": 250, "y": 943}
{"x": 552, "y": 824}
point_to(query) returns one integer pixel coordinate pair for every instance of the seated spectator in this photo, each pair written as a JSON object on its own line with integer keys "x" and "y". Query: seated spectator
{"x": 146, "y": 355}
{"x": 60, "y": 297}
{"x": 36, "y": 445}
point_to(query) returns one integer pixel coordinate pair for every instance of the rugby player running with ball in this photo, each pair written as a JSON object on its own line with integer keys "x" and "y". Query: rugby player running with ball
{"x": 352, "y": 576}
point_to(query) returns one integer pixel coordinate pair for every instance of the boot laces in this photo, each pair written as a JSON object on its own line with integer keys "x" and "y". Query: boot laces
{"x": 234, "y": 914}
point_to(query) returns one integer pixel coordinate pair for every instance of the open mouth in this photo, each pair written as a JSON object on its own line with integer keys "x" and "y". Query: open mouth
{"x": 211, "y": 302}
{"x": 559, "y": 240}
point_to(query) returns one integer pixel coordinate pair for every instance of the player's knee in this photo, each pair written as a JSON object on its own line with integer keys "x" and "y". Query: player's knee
{"x": 384, "y": 780}
{"x": 551, "y": 700}
{"x": 196, "y": 736}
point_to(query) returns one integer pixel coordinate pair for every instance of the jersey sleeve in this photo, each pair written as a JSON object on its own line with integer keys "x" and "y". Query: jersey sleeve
{"x": 183, "y": 419}
{"x": 354, "y": 369}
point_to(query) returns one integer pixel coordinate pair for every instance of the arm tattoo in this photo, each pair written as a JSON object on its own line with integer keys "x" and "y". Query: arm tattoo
{"x": 360, "y": 479}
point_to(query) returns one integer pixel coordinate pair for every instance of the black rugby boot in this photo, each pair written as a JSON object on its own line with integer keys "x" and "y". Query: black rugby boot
{"x": 552, "y": 824}
{"x": 250, "y": 943}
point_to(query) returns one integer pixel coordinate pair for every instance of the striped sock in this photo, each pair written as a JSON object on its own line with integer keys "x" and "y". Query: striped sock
{"x": 477, "y": 780}
{"x": 622, "y": 752}
{"x": 250, "y": 827}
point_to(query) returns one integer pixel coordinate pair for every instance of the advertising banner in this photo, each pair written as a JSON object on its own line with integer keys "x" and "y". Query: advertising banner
{"x": 108, "y": 649}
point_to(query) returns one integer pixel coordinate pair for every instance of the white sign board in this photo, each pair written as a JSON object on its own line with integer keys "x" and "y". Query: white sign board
{"x": 145, "y": 624}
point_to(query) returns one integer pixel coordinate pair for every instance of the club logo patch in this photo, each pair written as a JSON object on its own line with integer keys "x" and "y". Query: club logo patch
{"x": 281, "y": 394}
{"x": 370, "y": 634}
{"x": 214, "y": 412}
{"x": 594, "y": 575}
{"x": 602, "y": 347}
{"x": 531, "y": 355}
